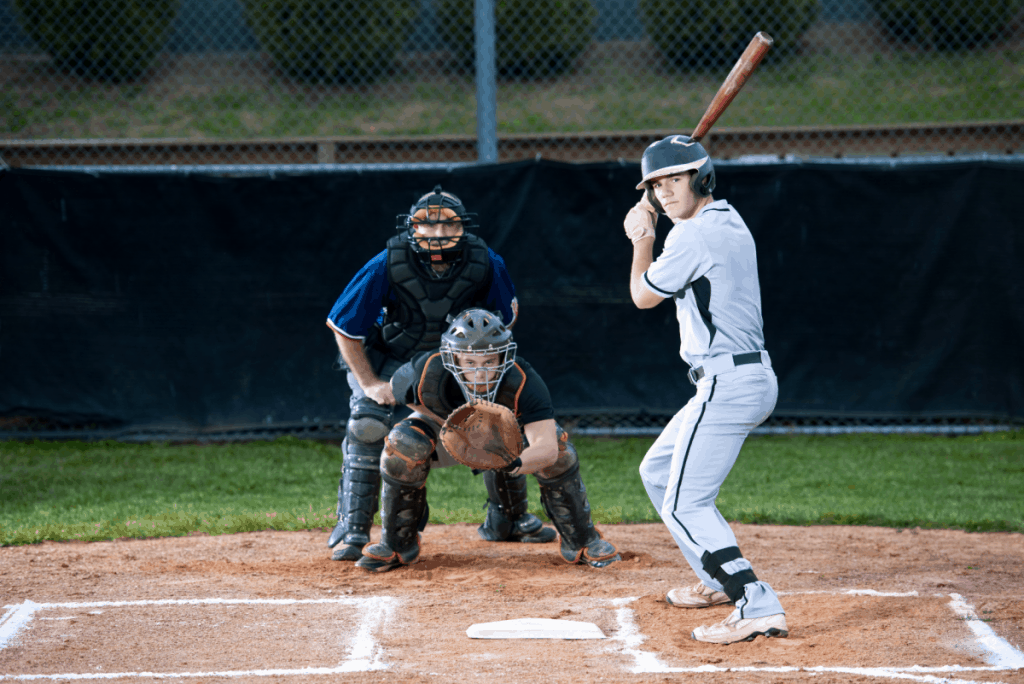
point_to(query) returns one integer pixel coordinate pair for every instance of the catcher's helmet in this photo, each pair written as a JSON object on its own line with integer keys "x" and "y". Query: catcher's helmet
{"x": 432, "y": 251}
{"x": 672, "y": 155}
{"x": 478, "y": 332}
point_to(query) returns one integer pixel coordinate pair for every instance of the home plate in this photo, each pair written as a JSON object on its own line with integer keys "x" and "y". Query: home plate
{"x": 535, "y": 628}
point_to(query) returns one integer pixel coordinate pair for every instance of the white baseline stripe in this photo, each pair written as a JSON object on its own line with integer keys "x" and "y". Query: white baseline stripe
{"x": 185, "y": 675}
{"x": 998, "y": 651}
{"x": 14, "y": 619}
{"x": 210, "y": 601}
{"x": 849, "y": 592}
{"x": 364, "y": 653}
{"x": 646, "y": 662}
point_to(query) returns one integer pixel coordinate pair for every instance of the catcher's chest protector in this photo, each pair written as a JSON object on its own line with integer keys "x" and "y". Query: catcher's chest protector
{"x": 431, "y": 390}
{"x": 417, "y": 323}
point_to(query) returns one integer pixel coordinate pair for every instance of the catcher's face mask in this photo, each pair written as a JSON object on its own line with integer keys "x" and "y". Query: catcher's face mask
{"x": 479, "y": 372}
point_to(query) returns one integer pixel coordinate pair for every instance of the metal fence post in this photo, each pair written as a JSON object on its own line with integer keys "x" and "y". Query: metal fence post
{"x": 486, "y": 83}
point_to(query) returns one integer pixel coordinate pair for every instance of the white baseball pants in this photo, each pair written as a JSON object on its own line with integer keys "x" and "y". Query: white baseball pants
{"x": 686, "y": 466}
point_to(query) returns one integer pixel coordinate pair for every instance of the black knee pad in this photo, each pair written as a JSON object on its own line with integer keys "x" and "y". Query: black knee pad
{"x": 407, "y": 451}
{"x": 369, "y": 422}
{"x": 732, "y": 585}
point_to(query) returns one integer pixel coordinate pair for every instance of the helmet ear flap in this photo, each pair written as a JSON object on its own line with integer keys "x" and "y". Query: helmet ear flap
{"x": 703, "y": 183}
{"x": 654, "y": 200}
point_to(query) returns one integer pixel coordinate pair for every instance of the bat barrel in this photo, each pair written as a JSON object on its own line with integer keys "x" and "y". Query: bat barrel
{"x": 747, "y": 62}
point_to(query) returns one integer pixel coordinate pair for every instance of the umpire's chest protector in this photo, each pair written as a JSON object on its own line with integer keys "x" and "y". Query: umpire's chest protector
{"x": 420, "y": 318}
{"x": 435, "y": 381}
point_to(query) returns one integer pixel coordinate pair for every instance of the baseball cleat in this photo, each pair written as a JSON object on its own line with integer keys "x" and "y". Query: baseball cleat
{"x": 347, "y": 552}
{"x": 541, "y": 536}
{"x": 698, "y": 596}
{"x": 597, "y": 554}
{"x": 734, "y": 628}
{"x": 378, "y": 565}
{"x": 381, "y": 558}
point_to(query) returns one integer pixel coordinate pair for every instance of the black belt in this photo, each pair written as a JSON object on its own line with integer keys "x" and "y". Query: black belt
{"x": 696, "y": 374}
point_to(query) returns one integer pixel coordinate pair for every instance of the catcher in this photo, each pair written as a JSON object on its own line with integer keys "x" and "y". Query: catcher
{"x": 479, "y": 400}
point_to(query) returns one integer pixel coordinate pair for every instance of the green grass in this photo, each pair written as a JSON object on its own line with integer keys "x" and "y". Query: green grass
{"x": 105, "y": 490}
{"x": 607, "y": 93}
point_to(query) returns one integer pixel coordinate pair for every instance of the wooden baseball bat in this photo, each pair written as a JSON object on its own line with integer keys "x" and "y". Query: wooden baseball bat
{"x": 750, "y": 58}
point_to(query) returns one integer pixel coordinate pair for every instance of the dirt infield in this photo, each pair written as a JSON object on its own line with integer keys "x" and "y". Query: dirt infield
{"x": 249, "y": 607}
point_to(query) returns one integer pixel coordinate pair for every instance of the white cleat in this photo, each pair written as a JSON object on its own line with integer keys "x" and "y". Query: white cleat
{"x": 734, "y": 629}
{"x": 696, "y": 597}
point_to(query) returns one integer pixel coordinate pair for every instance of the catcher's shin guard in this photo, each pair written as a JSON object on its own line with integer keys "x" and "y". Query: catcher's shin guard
{"x": 402, "y": 517}
{"x": 507, "y": 519}
{"x": 565, "y": 500}
{"x": 358, "y": 493}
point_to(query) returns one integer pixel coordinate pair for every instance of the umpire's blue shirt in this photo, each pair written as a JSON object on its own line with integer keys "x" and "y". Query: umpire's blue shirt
{"x": 362, "y": 303}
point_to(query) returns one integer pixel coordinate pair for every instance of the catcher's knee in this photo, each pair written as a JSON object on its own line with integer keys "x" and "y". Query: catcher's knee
{"x": 369, "y": 422}
{"x": 407, "y": 451}
{"x": 567, "y": 456}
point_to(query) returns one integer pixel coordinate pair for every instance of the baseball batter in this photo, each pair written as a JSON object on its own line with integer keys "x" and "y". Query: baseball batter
{"x": 395, "y": 307}
{"x": 477, "y": 363}
{"x": 709, "y": 268}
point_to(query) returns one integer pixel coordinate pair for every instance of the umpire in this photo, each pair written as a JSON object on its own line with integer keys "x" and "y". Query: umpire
{"x": 396, "y": 306}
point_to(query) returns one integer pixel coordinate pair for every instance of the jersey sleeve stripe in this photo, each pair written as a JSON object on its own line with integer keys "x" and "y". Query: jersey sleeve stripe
{"x": 332, "y": 326}
{"x": 663, "y": 293}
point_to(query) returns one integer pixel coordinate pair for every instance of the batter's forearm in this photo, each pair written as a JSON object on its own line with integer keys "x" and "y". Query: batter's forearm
{"x": 354, "y": 354}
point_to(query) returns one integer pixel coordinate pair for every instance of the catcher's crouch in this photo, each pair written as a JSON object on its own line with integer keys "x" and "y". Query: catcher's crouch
{"x": 479, "y": 400}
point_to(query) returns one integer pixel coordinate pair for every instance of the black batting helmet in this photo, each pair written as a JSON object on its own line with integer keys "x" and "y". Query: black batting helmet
{"x": 672, "y": 155}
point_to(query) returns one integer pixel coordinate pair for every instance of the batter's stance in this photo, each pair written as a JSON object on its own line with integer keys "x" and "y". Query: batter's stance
{"x": 709, "y": 267}
{"x": 395, "y": 307}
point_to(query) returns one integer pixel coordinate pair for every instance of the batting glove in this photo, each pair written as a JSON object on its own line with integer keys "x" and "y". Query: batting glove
{"x": 639, "y": 223}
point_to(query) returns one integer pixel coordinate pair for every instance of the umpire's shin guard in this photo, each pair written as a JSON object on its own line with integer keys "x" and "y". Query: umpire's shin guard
{"x": 358, "y": 494}
{"x": 565, "y": 499}
{"x": 507, "y": 519}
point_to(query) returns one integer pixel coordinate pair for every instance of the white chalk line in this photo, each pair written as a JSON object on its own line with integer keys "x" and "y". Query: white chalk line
{"x": 364, "y": 653}
{"x": 208, "y": 601}
{"x": 849, "y": 592}
{"x": 1001, "y": 655}
{"x": 998, "y": 651}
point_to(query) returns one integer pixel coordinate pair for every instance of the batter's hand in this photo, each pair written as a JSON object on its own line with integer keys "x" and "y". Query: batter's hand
{"x": 381, "y": 393}
{"x": 646, "y": 205}
{"x": 639, "y": 223}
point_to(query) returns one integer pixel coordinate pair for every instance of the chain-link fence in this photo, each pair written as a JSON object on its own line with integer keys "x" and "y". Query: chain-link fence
{"x": 315, "y": 81}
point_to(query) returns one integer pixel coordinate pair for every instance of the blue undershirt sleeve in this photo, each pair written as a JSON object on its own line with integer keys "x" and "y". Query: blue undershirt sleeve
{"x": 502, "y": 295}
{"x": 359, "y": 306}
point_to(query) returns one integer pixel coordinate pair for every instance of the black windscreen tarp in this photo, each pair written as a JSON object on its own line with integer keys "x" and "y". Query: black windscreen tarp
{"x": 194, "y": 300}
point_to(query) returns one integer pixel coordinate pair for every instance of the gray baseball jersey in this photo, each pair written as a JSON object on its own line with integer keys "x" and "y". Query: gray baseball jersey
{"x": 709, "y": 266}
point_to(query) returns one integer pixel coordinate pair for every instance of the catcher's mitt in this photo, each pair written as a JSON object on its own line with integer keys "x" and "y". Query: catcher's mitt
{"x": 483, "y": 435}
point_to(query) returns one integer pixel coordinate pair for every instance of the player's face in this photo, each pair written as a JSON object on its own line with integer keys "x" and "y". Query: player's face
{"x": 479, "y": 370}
{"x": 676, "y": 196}
{"x": 424, "y": 229}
